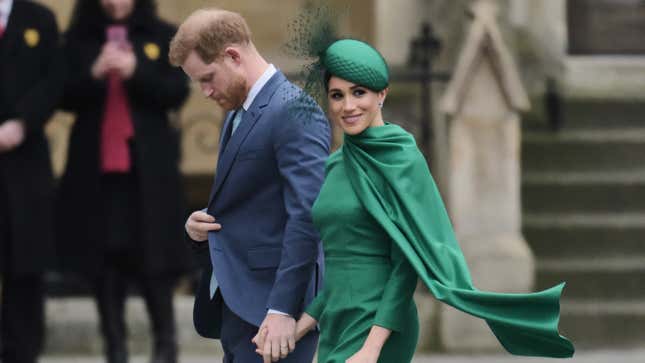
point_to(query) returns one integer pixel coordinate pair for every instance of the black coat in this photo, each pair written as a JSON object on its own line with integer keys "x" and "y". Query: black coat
{"x": 155, "y": 89}
{"x": 31, "y": 80}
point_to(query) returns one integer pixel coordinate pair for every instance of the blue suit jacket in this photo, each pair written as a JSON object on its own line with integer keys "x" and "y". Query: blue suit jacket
{"x": 267, "y": 254}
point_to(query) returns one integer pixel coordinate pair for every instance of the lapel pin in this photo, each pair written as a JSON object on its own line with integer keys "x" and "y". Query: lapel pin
{"x": 152, "y": 51}
{"x": 32, "y": 37}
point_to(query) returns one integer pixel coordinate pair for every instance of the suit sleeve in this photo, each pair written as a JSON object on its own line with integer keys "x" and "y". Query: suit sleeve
{"x": 37, "y": 105}
{"x": 398, "y": 293}
{"x": 301, "y": 145}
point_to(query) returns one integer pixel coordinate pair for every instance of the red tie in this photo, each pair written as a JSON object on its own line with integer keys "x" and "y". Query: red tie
{"x": 1, "y": 27}
{"x": 116, "y": 129}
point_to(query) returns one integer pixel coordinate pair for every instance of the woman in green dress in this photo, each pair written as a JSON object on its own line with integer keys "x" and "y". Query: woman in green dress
{"x": 383, "y": 226}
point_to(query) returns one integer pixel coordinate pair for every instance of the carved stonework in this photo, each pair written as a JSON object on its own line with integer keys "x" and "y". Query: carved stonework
{"x": 483, "y": 101}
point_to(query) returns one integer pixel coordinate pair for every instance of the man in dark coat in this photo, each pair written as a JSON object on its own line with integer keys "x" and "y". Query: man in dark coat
{"x": 31, "y": 79}
{"x": 120, "y": 210}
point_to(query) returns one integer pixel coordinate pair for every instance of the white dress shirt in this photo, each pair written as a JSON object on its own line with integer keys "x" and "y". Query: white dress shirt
{"x": 5, "y": 10}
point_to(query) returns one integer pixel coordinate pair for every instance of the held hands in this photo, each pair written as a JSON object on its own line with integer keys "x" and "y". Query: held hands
{"x": 12, "y": 135}
{"x": 265, "y": 348}
{"x": 276, "y": 337}
{"x": 114, "y": 57}
{"x": 199, "y": 224}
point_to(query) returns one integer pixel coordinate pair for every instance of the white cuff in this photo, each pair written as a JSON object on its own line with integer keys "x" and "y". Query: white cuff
{"x": 271, "y": 311}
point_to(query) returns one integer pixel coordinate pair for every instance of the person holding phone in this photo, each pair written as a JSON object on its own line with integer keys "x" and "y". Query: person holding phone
{"x": 120, "y": 212}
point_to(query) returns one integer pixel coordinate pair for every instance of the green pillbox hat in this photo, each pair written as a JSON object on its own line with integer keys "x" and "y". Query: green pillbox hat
{"x": 357, "y": 62}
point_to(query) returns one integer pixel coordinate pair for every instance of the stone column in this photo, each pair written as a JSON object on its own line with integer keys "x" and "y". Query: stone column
{"x": 483, "y": 101}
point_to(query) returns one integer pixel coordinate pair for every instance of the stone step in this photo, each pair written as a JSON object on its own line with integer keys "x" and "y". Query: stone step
{"x": 595, "y": 278}
{"x": 583, "y": 151}
{"x": 603, "y": 323}
{"x": 591, "y": 114}
{"x": 72, "y": 327}
{"x": 555, "y": 235}
{"x": 589, "y": 192}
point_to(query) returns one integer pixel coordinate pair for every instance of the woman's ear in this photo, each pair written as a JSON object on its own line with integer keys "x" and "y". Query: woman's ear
{"x": 382, "y": 95}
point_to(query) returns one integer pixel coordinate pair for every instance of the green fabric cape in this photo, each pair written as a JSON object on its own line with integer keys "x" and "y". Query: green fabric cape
{"x": 392, "y": 180}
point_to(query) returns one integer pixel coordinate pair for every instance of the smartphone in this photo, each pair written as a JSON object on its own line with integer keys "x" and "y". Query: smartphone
{"x": 117, "y": 34}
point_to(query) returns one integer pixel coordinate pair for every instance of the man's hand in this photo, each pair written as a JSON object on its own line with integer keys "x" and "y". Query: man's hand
{"x": 276, "y": 337}
{"x": 12, "y": 134}
{"x": 199, "y": 224}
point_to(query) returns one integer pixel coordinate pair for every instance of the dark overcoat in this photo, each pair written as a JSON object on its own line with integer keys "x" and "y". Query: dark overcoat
{"x": 154, "y": 91}
{"x": 31, "y": 80}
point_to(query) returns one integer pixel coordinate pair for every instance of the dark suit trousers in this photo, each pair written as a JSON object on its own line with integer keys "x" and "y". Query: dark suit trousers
{"x": 22, "y": 313}
{"x": 236, "y": 338}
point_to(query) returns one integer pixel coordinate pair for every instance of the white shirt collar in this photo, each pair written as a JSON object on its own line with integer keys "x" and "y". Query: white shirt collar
{"x": 258, "y": 85}
{"x": 5, "y": 10}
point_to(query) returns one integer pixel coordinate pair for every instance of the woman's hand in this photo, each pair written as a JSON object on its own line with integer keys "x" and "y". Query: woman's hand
{"x": 371, "y": 349}
{"x": 304, "y": 325}
{"x": 364, "y": 355}
{"x": 114, "y": 58}
{"x": 101, "y": 66}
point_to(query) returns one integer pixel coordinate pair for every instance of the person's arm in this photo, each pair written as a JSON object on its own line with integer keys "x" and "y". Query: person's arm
{"x": 398, "y": 293}
{"x": 301, "y": 146}
{"x": 82, "y": 88}
{"x": 37, "y": 105}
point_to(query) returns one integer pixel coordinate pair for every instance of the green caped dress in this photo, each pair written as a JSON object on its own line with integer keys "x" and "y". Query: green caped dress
{"x": 383, "y": 225}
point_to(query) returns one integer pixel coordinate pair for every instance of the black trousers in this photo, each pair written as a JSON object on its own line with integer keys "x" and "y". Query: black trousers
{"x": 122, "y": 256}
{"x": 22, "y": 317}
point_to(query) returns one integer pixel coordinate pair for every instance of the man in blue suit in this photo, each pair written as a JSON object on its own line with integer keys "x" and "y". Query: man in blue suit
{"x": 265, "y": 255}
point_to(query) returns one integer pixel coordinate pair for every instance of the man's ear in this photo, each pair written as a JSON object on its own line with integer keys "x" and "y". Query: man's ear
{"x": 233, "y": 53}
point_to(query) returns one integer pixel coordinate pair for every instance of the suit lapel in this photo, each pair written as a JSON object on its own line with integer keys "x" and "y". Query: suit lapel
{"x": 228, "y": 123}
{"x": 250, "y": 118}
{"x": 224, "y": 136}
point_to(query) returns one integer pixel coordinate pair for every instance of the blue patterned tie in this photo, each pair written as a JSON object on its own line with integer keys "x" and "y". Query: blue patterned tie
{"x": 237, "y": 119}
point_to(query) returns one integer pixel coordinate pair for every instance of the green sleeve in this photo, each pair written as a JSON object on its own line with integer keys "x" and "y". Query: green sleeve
{"x": 398, "y": 292}
{"x": 317, "y": 306}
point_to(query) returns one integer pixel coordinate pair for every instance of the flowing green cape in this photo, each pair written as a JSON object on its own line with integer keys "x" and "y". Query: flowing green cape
{"x": 392, "y": 181}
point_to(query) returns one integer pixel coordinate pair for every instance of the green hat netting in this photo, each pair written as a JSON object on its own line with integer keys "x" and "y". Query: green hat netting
{"x": 314, "y": 37}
